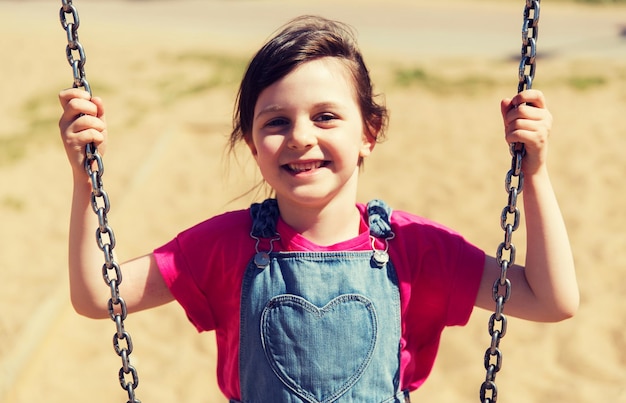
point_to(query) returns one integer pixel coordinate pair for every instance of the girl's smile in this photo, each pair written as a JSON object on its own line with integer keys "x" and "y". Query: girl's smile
{"x": 305, "y": 167}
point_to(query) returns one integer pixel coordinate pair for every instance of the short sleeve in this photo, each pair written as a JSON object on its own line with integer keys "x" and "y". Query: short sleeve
{"x": 467, "y": 272}
{"x": 204, "y": 265}
{"x": 177, "y": 276}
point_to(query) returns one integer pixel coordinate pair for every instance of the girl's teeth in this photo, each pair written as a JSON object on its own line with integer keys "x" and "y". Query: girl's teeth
{"x": 305, "y": 167}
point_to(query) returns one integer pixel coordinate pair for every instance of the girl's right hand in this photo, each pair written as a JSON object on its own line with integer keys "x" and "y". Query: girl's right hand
{"x": 81, "y": 123}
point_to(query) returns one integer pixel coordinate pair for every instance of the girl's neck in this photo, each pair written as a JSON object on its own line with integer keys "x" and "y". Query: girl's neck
{"x": 323, "y": 225}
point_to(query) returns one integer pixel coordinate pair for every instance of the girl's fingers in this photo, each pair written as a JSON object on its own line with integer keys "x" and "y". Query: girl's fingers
{"x": 77, "y": 102}
{"x": 81, "y": 123}
{"x": 505, "y": 107}
{"x": 526, "y": 120}
{"x": 87, "y": 122}
{"x": 100, "y": 106}
{"x": 80, "y": 112}
{"x": 524, "y": 108}
{"x": 532, "y": 97}
{"x": 67, "y": 95}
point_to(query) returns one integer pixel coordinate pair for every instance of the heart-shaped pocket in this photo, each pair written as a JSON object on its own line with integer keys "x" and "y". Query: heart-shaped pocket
{"x": 319, "y": 353}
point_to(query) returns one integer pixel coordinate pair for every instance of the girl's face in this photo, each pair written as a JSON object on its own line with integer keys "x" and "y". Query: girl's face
{"x": 308, "y": 134}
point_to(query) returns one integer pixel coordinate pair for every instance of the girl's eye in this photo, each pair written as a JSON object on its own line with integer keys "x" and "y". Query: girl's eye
{"x": 325, "y": 117}
{"x": 277, "y": 122}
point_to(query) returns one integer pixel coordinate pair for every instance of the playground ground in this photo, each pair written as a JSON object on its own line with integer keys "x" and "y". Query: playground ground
{"x": 168, "y": 72}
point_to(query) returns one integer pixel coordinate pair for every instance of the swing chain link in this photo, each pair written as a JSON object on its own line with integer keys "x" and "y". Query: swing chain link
{"x": 74, "y": 47}
{"x": 510, "y": 217}
{"x": 105, "y": 237}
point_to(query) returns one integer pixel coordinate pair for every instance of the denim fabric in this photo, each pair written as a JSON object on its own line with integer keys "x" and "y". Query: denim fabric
{"x": 402, "y": 397}
{"x": 319, "y": 327}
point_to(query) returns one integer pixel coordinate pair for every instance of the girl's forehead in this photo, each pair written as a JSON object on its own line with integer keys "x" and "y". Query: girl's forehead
{"x": 334, "y": 65}
{"x": 330, "y": 73}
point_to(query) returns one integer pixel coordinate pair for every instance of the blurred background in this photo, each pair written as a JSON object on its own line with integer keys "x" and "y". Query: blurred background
{"x": 169, "y": 71}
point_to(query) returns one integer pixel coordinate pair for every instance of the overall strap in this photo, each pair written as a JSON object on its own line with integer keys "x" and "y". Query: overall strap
{"x": 264, "y": 218}
{"x": 379, "y": 219}
{"x": 265, "y": 215}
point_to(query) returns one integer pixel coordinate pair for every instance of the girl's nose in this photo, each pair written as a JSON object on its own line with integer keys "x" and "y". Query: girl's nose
{"x": 301, "y": 136}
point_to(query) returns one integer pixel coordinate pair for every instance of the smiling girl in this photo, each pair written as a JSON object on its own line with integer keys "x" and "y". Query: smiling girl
{"x": 314, "y": 296}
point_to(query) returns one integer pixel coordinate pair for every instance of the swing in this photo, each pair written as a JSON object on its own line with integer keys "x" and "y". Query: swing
{"x": 498, "y": 321}
{"x": 105, "y": 238}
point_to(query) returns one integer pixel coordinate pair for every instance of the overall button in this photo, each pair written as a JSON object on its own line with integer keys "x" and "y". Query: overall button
{"x": 261, "y": 260}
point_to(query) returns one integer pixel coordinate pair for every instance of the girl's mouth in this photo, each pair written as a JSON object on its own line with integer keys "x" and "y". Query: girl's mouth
{"x": 305, "y": 166}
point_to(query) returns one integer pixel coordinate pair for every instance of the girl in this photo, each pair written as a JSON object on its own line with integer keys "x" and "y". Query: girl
{"x": 313, "y": 296}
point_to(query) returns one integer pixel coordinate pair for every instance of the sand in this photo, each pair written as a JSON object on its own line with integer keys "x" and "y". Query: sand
{"x": 168, "y": 72}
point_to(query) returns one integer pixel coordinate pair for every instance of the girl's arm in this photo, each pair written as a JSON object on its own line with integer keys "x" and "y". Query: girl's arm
{"x": 545, "y": 289}
{"x": 142, "y": 286}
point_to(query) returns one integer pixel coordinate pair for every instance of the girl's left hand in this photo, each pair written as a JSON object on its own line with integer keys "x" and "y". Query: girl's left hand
{"x": 527, "y": 120}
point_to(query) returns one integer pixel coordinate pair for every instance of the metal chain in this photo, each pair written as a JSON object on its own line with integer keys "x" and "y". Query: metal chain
{"x": 498, "y": 321}
{"x": 105, "y": 238}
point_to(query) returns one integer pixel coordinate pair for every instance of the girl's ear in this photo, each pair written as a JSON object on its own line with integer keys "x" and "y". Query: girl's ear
{"x": 251, "y": 146}
{"x": 368, "y": 141}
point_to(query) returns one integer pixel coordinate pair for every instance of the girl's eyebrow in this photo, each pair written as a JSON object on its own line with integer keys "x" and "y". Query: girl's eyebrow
{"x": 328, "y": 105}
{"x": 269, "y": 109}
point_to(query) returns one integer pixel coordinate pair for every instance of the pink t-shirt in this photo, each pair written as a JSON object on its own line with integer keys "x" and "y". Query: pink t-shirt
{"x": 438, "y": 272}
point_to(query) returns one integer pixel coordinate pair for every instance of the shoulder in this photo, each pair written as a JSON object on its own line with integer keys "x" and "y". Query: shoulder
{"x": 434, "y": 245}
{"x": 222, "y": 234}
{"x": 229, "y": 225}
{"x": 414, "y": 235}
{"x": 405, "y": 223}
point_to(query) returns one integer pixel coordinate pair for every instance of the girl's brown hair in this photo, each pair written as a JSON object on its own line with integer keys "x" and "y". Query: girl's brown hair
{"x": 301, "y": 40}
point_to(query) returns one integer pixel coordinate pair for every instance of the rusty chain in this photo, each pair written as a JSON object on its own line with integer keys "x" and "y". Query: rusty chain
{"x": 514, "y": 183}
{"x": 105, "y": 238}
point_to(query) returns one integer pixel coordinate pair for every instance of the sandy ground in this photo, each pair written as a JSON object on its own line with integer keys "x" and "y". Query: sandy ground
{"x": 169, "y": 70}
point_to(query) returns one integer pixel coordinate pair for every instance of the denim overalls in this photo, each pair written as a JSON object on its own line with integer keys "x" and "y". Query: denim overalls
{"x": 319, "y": 327}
